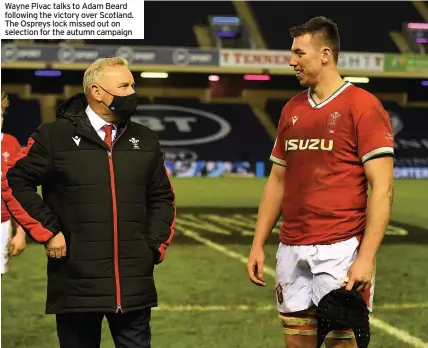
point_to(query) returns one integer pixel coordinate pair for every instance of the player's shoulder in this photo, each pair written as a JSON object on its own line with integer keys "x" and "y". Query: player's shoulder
{"x": 9, "y": 138}
{"x": 359, "y": 97}
{"x": 298, "y": 99}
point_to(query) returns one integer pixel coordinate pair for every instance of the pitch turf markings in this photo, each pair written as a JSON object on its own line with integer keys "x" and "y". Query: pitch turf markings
{"x": 223, "y": 308}
{"x": 395, "y": 231}
{"x": 214, "y": 223}
{"x": 240, "y": 226}
{"x": 192, "y": 221}
{"x": 397, "y": 333}
{"x": 245, "y": 218}
{"x": 244, "y": 224}
{"x": 396, "y": 306}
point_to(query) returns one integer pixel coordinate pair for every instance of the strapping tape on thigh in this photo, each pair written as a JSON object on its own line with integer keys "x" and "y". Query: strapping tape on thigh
{"x": 299, "y": 331}
{"x": 297, "y": 321}
{"x": 341, "y": 334}
{"x": 299, "y": 325}
{"x": 307, "y": 326}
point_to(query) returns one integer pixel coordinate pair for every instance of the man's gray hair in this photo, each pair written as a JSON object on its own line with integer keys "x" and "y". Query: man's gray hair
{"x": 94, "y": 73}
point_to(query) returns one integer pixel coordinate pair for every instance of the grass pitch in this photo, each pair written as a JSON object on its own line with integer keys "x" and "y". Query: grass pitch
{"x": 205, "y": 297}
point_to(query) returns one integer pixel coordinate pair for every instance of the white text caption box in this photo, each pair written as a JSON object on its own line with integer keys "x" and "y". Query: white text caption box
{"x": 95, "y": 19}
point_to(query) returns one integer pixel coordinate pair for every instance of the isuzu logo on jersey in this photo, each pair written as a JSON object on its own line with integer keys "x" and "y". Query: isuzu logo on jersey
{"x": 308, "y": 144}
{"x": 182, "y": 126}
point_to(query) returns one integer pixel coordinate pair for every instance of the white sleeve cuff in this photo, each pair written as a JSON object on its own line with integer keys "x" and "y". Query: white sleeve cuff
{"x": 278, "y": 161}
{"x": 377, "y": 152}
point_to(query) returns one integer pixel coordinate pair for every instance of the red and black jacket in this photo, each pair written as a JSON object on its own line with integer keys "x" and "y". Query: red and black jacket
{"x": 115, "y": 207}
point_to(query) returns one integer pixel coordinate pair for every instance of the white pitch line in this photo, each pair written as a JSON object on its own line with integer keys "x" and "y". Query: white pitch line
{"x": 215, "y": 308}
{"x": 399, "y": 334}
{"x": 224, "y": 308}
{"x": 395, "y": 306}
{"x": 402, "y": 335}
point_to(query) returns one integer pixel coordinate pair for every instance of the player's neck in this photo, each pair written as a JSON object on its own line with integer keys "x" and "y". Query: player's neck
{"x": 326, "y": 87}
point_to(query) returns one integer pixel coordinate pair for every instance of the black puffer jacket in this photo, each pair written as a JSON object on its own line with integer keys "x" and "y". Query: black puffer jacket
{"x": 116, "y": 210}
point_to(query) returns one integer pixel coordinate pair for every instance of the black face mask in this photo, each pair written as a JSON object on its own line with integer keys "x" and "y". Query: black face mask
{"x": 123, "y": 106}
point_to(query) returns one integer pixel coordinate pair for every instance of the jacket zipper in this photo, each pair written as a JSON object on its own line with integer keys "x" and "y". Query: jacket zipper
{"x": 115, "y": 226}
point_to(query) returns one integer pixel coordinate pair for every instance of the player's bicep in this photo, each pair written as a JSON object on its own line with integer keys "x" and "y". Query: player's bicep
{"x": 278, "y": 172}
{"x": 379, "y": 172}
{"x": 374, "y": 133}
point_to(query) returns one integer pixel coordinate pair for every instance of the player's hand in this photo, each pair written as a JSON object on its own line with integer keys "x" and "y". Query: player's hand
{"x": 17, "y": 243}
{"x": 56, "y": 247}
{"x": 360, "y": 273}
{"x": 255, "y": 265}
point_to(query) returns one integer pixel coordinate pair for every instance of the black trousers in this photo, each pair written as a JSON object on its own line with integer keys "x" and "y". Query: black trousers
{"x": 83, "y": 330}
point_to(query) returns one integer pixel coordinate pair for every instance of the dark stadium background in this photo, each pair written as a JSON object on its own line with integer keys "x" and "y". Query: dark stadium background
{"x": 205, "y": 296}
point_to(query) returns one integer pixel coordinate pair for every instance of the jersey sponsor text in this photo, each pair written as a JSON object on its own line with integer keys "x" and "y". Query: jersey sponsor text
{"x": 309, "y": 144}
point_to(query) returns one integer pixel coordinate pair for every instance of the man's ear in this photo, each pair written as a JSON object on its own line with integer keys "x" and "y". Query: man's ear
{"x": 95, "y": 91}
{"x": 327, "y": 54}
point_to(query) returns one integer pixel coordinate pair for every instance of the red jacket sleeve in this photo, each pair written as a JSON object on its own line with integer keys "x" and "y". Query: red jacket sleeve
{"x": 19, "y": 184}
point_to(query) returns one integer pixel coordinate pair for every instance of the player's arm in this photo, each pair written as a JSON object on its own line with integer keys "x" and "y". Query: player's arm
{"x": 379, "y": 173}
{"x": 19, "y": 188}
{"x": 376, "y": 151}
{"x": 17, "y": 243}
{"x": 270, "y": 205}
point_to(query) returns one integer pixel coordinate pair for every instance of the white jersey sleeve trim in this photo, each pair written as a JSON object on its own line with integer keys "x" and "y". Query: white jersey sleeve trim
{"x": 278, "y": 161}
{"x": 377, "y": 152}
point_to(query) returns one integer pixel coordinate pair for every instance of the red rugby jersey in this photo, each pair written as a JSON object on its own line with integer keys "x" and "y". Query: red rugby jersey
{"x": 324, "y": 147}
{"x": 9, "y": 150}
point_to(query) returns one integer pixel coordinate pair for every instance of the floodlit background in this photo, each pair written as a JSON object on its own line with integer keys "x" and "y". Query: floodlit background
{"x": 216, "y": 110}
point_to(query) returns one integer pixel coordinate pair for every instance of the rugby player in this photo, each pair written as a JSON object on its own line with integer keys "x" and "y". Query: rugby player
{"x": 333, "y": 141}
{"x": 9, "y": 246}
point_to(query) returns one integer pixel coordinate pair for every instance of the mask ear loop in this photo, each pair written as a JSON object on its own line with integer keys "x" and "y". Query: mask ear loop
{"x": 110, "y": 108}
{"x": 105, "y": 90}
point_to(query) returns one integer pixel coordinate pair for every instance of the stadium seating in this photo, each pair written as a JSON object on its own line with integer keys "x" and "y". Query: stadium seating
{"x": 411, "y": 140}
{"x": 171, "y": 23}
{"x": 273, "y": 109}
{"x": 361, "y": 30}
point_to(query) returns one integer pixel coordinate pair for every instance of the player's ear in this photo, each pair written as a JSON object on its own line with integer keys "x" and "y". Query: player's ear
{"x": 327, "y": 54}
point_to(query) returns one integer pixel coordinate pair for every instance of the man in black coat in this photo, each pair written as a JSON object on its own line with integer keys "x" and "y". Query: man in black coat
{"x": 107, "y": 213}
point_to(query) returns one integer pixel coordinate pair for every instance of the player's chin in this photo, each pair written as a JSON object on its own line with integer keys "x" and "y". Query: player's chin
{"x": 303, "y": 82}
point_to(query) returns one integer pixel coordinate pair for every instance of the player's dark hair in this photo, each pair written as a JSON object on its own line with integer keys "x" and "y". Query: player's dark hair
{"x": 323, "y": 29}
